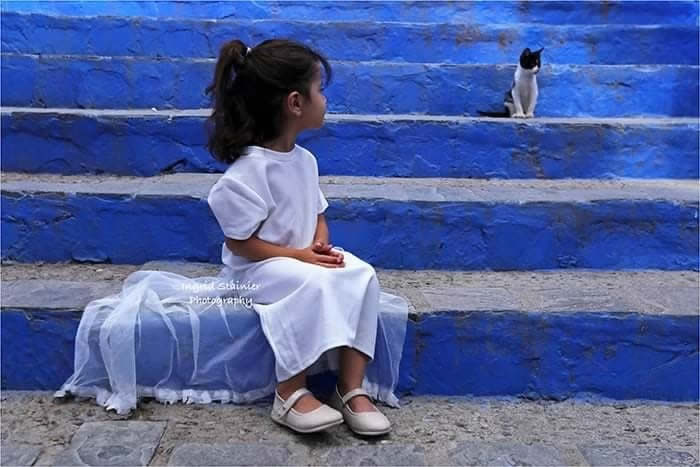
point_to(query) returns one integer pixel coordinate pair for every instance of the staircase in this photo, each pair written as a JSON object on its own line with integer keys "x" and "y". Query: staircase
{"x": 545, "y": 259}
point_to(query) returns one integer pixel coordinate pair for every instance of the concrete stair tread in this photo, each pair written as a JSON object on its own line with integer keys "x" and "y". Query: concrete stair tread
{"x": 197, "y": 185}
{"x": 71, "y": 286}
{"x": 427, "y": 430}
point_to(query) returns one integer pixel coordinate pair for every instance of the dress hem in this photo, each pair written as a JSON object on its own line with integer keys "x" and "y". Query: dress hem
{"x": 310, "y": 363}
{"x": 113, "y": 401}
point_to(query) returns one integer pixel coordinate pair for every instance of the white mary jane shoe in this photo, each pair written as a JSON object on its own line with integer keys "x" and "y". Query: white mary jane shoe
{"x": 318, "y": 419}
{"x": 362, "y": 423}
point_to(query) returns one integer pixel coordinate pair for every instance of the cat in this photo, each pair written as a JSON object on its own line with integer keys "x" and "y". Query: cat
{"x": 520, "y": 100}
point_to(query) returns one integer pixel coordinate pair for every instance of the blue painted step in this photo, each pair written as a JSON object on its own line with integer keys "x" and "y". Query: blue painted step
{"x": 409, "y": 42}
{"x": 391, "y": 223}
{"x": 364, "y": 88}
{"x": 566, "y": 334}
{"x": 493, "y": 12}
{"x": 137, "y": 143}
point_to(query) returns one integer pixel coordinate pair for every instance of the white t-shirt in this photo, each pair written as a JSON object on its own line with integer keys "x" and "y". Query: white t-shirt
{"x": 279, "y": 190}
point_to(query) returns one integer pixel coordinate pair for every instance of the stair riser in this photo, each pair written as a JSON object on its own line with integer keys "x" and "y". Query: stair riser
{"x": 388, "y": 234}
{"x": 532, "y": 355}
{"x": 367, "y": 88}
{"x": 553, "y": 355}
{"x": 442, "y": 43}
{"x": 493, "y": 12}
{"x": 145, "y": 146}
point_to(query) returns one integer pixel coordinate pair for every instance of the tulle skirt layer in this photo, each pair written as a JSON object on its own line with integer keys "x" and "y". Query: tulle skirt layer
{"x": 197, "y": 340}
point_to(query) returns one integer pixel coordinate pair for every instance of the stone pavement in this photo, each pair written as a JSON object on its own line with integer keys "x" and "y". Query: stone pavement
{"x": 446, "y": 430}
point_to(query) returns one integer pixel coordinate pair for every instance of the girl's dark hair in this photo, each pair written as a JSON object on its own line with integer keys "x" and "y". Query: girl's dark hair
{"x": 248, "y": 91}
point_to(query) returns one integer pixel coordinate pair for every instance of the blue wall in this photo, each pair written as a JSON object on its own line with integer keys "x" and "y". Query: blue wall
{"x": 471, "y": 148}
{"x": 358, "y": 88}
{"x": 400, "y": 42}
{"x": 534, "y": 355}
{"x": 434, "y": 11}
{"x": 613, "y": 234}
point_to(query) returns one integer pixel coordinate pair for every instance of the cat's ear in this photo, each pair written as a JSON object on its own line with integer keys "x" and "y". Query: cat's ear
{"x": 526, "y": 52}
{"x": 539, "y": 51}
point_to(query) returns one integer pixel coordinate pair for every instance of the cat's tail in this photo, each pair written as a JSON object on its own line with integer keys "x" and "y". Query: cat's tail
{"x": 494, "y": 114}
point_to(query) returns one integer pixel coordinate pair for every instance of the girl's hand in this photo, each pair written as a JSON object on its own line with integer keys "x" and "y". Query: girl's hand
{"x": 321, "y": 247}
{"x": 327, "y": 258}
{"x": 326, "y": 248}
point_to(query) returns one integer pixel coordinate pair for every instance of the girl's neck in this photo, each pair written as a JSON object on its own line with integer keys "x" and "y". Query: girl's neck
{"x": 284, "y": 143}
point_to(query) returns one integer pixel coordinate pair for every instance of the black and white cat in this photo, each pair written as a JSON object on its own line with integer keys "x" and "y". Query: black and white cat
{"x": 520, "y": 100}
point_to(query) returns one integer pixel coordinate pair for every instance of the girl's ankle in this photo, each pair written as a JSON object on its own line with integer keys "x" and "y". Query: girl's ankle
{"x": 284, "y": 394}
{"x": 344, "y": 389}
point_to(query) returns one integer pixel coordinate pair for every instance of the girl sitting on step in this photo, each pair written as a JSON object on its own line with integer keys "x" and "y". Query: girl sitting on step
{"x": 315, "y": 307}
{"x": 314, "y": 300}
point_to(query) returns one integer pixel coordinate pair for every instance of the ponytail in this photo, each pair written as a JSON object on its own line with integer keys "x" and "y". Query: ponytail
{"x": 248, "y": 91}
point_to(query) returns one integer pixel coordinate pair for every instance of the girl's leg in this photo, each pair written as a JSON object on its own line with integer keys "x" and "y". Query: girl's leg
{"x": 286, "y": 388}
{"x": 352, "y": 372}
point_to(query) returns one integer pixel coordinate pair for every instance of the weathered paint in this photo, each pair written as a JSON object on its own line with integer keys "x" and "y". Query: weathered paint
{"x": 409, "y": 42}
{"x": 612, "y": 234}
{"x": 532, "y": 355}
{"x": 494, "y": 12}
{"x": 357, "y": 88}
{"x": 555, "y": 355}
{"x": 473, "y": 148}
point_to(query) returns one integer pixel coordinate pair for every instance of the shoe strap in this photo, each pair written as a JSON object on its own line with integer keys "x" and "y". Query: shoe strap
{"x": 291, "y": 400}
{"x": 355, "y": 392}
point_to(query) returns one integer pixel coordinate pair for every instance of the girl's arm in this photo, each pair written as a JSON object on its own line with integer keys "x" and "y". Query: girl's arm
{"x": 257, "y": 250}
{"x": 320, "y": 243}
{"x": 321, "y": 234}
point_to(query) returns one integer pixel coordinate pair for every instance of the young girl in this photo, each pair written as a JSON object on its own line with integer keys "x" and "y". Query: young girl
{"x": 312, "y": 298}
{"x": 308, "y": 306}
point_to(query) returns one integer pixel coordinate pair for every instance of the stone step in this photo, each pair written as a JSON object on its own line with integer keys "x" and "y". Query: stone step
{"x": 76, "y": 81}
{"x": 151, "y": 142}
{"x": 397, "y": 223}
{"x": 493, "y": 12}
{"x": 354, "y": 40}
{"x": 426, "y": 431}
{"x": 542, "y": 334}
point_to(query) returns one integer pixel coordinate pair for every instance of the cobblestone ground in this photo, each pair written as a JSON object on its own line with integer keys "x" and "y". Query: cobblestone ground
{"x": 426, "y": 431}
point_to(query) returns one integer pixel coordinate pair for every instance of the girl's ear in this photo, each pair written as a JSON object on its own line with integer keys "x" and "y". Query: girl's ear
{"x": 294, "y": 103}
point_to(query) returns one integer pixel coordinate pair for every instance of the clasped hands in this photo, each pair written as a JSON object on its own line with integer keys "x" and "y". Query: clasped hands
{"x": 322, "y": 254}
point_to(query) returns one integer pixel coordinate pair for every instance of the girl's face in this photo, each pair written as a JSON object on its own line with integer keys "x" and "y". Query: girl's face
{"x": 315, "y": 107}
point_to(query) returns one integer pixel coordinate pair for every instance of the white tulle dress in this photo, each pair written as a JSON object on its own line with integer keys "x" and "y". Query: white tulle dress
{"x": 234, "y": 336}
